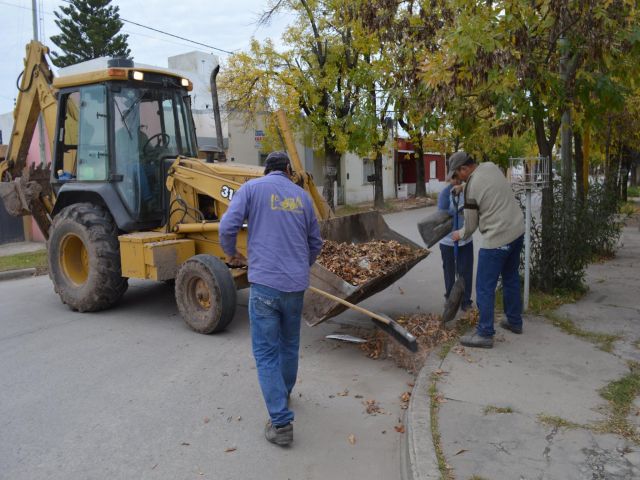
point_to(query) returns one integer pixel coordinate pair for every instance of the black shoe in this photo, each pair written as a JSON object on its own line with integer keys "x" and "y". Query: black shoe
{"x": 279, "y": 435}
{"x": 507, "y": 326}
{"x": 476, "y": 341}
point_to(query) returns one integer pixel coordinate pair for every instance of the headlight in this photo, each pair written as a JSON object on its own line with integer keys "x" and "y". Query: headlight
{"x": 138, "y": 75}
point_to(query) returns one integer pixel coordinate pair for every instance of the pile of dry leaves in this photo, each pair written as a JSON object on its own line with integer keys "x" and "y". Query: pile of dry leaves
{"x": 358, "y": 263}
{"x": 429, "y": 332}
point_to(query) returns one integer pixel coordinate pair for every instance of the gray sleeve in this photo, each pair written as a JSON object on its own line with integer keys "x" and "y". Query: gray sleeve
{"x": 470, "y": 214}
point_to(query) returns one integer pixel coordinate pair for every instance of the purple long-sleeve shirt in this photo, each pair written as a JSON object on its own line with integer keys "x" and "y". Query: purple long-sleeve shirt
{"x": 284, "y": 237}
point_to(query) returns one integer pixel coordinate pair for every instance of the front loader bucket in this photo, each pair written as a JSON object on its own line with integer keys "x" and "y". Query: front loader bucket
{"x": 359, "y": 228}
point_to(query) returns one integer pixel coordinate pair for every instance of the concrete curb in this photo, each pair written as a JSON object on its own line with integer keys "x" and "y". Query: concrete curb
{"x": 14, "y": 274}
{"x": 418, "y": 459}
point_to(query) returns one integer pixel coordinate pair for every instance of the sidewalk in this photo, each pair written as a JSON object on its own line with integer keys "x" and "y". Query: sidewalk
{"x": 21, "y": 247}
{"x": 532, "y": 406}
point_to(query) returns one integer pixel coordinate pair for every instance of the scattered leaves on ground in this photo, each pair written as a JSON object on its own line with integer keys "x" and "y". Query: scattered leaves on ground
{"x": 358, "y": 263}
{"x": 372, "y": 407}
{"x": 399, "y": 428}
{"x": 429, "y": 332}
{"x": 230, "y": 449}
{"x": 344, "y": 393}
{"x": 352, "y": 439}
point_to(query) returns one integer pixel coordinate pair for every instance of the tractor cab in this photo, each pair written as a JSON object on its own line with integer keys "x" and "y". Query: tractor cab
{"x": 117, "y": 136}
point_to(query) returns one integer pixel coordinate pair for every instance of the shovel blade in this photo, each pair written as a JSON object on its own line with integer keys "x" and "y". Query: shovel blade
{"x": 397, "y": 331}
{"x": 454, "y": 301}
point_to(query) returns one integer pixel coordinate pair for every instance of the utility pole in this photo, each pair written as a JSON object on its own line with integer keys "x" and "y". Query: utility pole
{"x": 43, "y": 158}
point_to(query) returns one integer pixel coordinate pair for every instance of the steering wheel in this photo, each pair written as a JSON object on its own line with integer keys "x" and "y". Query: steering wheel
{"x": 162, "y": 140}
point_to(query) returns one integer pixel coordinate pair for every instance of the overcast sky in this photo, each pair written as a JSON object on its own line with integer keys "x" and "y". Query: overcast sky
{"x": 228, "y": 25}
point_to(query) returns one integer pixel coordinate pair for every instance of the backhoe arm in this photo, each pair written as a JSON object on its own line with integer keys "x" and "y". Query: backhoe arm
{"x": 29, "y": 192}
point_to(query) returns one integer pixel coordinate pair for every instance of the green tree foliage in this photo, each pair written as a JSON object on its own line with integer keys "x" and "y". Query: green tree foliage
{"x": 89, "y": 29}
{"x": 526, "y": 64}
{"x": 312, "y": 76}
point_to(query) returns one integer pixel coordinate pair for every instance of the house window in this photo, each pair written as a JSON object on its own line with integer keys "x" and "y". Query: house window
{"x": 367, "y": 169}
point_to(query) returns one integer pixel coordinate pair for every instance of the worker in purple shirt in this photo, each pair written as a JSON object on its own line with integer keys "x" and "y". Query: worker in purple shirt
{"x": 284, "y": 241}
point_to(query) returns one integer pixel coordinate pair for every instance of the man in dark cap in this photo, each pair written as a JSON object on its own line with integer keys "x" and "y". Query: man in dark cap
{"x": 284, "y": 241}
{"x": 491, "y": 206}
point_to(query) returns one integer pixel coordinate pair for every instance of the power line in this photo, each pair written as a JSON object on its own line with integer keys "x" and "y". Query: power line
{"x": 168, "y": 34}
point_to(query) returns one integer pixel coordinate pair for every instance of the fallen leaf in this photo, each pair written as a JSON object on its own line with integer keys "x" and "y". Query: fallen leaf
{"x": 206, "y": 419}
{"x": 239, "y": 418}
{"x": 372, "y": 407}
{"x": 230, "y": 449}
{"x": 460, "y": 452}
{"x": 185, "y": 444}
{"x": 358, "y": 396}
{"x": 399, "y": 428}
{"x": 405, "y": 397}
{"x": 352, "y": 439}
{"x": 344, "y": 393}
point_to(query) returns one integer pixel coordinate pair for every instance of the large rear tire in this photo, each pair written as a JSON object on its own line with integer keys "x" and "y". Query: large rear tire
{"x": 205, "y": 294}
{"x": 84, "y": 258}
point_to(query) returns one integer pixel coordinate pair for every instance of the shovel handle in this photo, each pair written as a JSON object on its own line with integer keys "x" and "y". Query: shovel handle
{"x": 350, "y": 305}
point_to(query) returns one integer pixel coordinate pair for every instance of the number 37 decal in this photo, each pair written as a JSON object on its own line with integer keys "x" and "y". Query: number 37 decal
{"x": 227, "y": 192}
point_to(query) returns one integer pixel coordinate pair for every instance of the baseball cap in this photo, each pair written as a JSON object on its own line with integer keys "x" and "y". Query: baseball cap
{"x": 455, "y": 161}
{"x": 276, "y": 161}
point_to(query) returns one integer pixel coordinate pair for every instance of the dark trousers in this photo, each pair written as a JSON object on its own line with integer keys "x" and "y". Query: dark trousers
{"x": 493, "y": 263}
{"x": 465, "y": 270}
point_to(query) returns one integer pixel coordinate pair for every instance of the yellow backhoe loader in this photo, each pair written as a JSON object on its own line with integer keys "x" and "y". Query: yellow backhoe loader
{"x": 126, "y": 195}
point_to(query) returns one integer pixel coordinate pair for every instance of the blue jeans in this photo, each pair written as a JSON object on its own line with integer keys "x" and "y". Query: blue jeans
{"x": 493, "y": 262}
{"x": 464, "y": 267}
{"x": 275, "y": 338}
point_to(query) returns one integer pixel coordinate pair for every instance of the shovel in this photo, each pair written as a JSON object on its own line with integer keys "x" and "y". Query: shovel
{"x": 382, "y": 321}
{"x": 456, "y": 294}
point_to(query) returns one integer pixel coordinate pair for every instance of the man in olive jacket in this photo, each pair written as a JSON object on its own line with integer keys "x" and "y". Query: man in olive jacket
{"x": 491, "y": 206}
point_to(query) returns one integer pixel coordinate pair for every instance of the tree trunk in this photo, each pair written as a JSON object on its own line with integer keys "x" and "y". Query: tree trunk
{"x": 378, "y": 194}
{"x": 579, "y": 164}
{"x": 421, "y": 189}
{"x": 331, "y": 162}
{"x": 545, "y": 147}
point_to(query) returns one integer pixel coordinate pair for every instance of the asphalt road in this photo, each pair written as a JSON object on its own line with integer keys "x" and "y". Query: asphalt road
{"x": 132, "y": 393}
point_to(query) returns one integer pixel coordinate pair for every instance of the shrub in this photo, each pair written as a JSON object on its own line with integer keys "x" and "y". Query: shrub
{"x": 579, "y": 234}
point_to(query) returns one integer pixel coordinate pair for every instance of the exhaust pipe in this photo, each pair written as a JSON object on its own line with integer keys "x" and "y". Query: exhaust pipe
{"x": 216, "y": 112}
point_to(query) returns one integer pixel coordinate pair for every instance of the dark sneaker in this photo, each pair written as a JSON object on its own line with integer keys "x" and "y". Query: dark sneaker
{"x": 476, "y": 341}
{"x": 279, "y": 435}
{"x": 507, "y": 326}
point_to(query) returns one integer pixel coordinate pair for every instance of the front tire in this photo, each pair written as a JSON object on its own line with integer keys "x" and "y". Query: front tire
{"x": 84, "y": 258}
{"x": 205, "y": 294}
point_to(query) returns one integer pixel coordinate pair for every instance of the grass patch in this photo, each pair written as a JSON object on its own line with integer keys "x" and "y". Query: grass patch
{"x": 604, "y": 341}
{"x": 541, "y": 303}
{"x": 477, "y": 477}
{"x": 558, "y": 422}
{"x": 24, "y": 260}
{"x": 620, "y": 395}
{"x": 622, "y": 392}
{"x": 492, "y": 409}
{"x": 446, "y": 348}
{"x": 633, "y": 191}
{"x": 434, "y": 406}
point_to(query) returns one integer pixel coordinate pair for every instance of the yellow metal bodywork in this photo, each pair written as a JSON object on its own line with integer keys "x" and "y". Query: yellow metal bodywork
{"x": 200, "y": 192}
{"x": 153, "y": 255}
